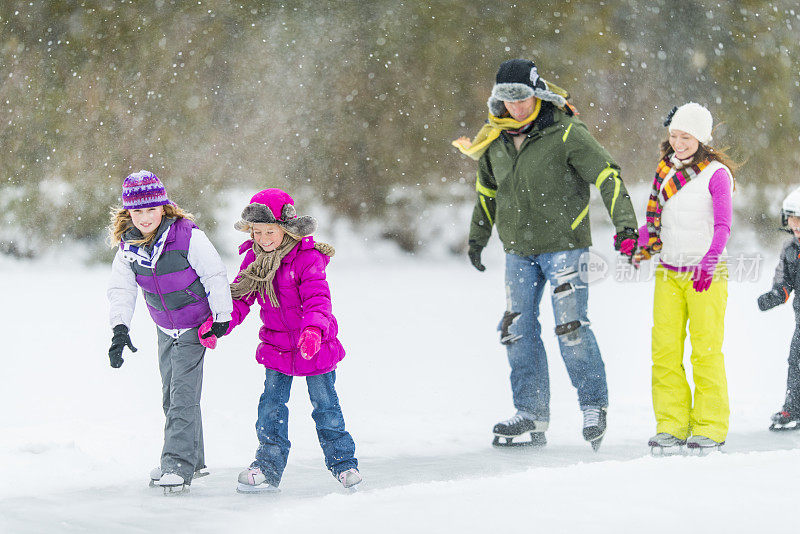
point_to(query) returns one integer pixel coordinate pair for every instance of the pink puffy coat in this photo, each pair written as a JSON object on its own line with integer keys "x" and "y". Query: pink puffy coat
{"x": 305, "y": 301}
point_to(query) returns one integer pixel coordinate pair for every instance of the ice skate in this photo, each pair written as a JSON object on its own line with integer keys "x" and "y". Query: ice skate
{"x": 252, "y": 480}
{"x": 663, "y": 444}
{"x": 594, "y": 426}
{"x": 173, "y": 484}
{"x": 701, "y": 445}
{"x": 517, "y": 426}
{"x": 350, "y": 479}
{"x": 155, "y": 476}
{"x": 156, "y": 472}
{"x": 783, "y": 421}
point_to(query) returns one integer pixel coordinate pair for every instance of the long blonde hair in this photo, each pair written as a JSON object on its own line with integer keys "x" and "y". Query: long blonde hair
{"x": 121, "y": 222}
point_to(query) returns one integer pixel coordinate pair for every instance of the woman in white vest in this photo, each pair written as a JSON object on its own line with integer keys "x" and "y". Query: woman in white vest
{"x": 689, "y": 222}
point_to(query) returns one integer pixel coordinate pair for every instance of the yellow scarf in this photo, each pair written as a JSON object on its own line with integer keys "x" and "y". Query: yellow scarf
{"x": 491, "y": 131}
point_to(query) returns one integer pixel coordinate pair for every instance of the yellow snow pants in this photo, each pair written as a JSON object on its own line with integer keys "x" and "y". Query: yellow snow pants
{"x": 675, "y": 302}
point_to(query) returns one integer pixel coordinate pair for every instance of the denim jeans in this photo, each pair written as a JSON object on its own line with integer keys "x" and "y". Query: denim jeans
{"x": 272, "y": 426}
{"x": 521, "y": 332}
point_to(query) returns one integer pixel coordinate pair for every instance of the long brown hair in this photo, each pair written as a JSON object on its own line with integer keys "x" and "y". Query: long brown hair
{"x": 121, "y": 222}
{"x": 704, "y": 152}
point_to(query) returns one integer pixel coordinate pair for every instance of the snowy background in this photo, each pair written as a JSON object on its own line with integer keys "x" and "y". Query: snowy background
{"x": 351, "y": 107}
{"x": 424, "y": 381}
{"x": 354, "y": 104}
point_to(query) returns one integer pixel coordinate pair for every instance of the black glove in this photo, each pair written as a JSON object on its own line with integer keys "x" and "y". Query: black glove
{"x": 474, "y": 254}
{"x": 217, "y": 329}
{"x": 773, "y": 298}
{"x": 118, "y": 342}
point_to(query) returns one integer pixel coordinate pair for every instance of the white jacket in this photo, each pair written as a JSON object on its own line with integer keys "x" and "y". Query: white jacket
{"x": 687, "y": 220}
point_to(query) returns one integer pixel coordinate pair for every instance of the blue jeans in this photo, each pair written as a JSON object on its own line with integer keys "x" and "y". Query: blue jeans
{"x": 521, "y": 332}
{"x": 272, "y": 426}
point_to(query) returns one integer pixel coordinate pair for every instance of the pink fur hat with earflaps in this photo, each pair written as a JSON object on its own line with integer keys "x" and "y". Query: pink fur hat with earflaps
{"x": 273, "y": 206}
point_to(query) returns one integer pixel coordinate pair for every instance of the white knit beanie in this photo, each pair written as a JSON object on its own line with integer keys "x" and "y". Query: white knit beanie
{"x": 693, "y": 119}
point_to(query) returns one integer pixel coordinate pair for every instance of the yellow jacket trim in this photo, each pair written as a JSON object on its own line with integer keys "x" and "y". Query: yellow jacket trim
{"x": 617, "y": 184}
{"x": 483, "y": 190}
{"x": 564, "y": 137}
{"x": 605, "y": 173}
{"x": 580, "y": 217}
{"x": 486, "y": 210}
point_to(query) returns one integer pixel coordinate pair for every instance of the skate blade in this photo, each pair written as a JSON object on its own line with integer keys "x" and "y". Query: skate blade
{"x": 263, "y": 488}
{"x": 775, "y": 427}
{"x": 197, "y": 474}
{"x": 172, "y": 491}
{"x": 662, "y": 452}
{"x": 537, "y": 440}
{"x": 703, "y": 451}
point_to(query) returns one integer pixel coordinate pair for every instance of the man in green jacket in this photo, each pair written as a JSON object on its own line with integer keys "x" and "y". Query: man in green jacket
{"x": 536, "y": 162}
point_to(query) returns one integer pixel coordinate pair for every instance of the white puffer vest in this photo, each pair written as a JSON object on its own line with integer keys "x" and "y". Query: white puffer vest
{"x": 687, "y": 220}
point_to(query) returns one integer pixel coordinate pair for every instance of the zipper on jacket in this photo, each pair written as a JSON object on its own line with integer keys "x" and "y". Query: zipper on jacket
{"x": 161, "y": 296}
{"x": 155, "y": 277}
{"x": 189, "y": 292}
{"x": 529, "y": 138}
{"x": 292, "y": 340}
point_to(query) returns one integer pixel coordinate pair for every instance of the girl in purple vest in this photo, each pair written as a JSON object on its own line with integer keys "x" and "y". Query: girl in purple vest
{"x": 184, "y": 282}
{"x": 284, "y": 271}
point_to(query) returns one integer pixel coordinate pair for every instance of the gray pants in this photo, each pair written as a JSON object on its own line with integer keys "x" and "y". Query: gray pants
{"x": 181, "y": 364}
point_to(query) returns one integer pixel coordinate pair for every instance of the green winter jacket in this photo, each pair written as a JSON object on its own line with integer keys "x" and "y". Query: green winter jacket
{"x": 539, "y": 197}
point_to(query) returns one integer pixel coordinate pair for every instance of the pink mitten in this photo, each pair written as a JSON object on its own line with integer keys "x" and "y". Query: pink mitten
{"x": 309, "y": 342}
{"x": 627, "y": 247}
{"x": 704, "y": 274}
{"x": 625, "y": 241}
{"x": 209, "y": 342}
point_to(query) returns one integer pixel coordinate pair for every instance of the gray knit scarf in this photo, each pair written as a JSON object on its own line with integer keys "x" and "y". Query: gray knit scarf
{"x": 257, "y": 277}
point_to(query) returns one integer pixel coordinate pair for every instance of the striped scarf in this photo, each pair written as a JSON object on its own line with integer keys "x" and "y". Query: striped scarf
{"x": 671, "y": 176}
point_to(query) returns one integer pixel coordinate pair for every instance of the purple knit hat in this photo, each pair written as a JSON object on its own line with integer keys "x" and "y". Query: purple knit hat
{"x": 143, "y": 189}
{"x": 273, "y": 206}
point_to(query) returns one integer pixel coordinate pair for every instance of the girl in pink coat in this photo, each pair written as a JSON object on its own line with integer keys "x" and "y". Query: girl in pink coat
{"x": 284, "y": 271}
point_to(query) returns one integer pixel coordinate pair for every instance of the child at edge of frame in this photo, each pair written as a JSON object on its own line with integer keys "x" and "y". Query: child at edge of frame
{"x": 786, "y": 280}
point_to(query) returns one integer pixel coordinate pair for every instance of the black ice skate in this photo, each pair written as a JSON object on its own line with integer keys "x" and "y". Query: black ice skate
{"x": 783, "y": 421}
{"x": 594, "y": 426}
{"x": 516, "y": 427}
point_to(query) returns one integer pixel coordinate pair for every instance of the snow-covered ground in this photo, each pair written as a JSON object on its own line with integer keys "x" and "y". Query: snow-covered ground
{"x": 423, "y": 383}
